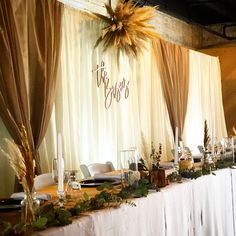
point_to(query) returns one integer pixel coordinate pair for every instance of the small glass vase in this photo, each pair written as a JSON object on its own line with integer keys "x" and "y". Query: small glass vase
{"x": 29, "y": 206}
{"x": 73, "y": 186}
{"x": 129, "y": 167}
{"x": 208, "y": 163}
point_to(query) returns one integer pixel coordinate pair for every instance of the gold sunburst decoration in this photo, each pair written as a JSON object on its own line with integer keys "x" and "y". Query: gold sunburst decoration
{"x": 128, "y": 27}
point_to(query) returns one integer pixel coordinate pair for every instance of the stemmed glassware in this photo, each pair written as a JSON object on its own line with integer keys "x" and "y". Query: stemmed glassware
{"x": 55, "y": 172}
{"x": 72, "y": 185}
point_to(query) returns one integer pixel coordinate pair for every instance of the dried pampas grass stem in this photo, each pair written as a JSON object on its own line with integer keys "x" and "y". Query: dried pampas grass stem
{"x": 21, "y": 159}
{"x": 15, "y": 159}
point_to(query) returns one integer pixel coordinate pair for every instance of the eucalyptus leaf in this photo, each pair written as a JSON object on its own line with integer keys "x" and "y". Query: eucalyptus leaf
{"x": 41, "y": 223}
{"x": 85, "y": 196}
{"x": 63, "y": 216}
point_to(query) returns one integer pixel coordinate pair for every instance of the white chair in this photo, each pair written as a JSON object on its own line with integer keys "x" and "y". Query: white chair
{"x": 201, "y": 149}
{"x": 111, "y": 165}
{"x": 85, "y": 171}
{"x": 43, "y": 180}
{"x": 96, "y": 168}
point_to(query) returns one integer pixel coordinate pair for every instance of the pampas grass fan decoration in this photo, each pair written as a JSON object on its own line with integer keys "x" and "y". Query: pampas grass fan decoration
{"x": 128, "y": 28}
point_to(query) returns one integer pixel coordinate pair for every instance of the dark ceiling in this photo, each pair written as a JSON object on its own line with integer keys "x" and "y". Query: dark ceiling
{"x": 204, "y": 13}
{"x": 201, "y": 12}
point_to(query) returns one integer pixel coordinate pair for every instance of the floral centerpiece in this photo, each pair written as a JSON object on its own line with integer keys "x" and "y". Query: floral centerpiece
{"x": 208, "y": 160}
{"x": 150, "y": 162}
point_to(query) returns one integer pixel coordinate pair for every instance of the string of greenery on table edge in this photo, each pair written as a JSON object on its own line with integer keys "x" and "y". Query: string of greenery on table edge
{"x": 109, "y": 196}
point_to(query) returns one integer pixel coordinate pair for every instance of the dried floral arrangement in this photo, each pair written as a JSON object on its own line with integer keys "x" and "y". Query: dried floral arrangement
{"x": 21, "y": 160}
{"x": 128, "y": 27}
{"x": 156, "y": 156}
{"x": 150, "y": 160}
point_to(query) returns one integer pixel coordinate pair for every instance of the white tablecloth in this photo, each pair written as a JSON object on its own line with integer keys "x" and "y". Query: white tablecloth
{"x": 178, "y": 209}
{"x": 202, "y": 207}
{"x": 213, "y": 210}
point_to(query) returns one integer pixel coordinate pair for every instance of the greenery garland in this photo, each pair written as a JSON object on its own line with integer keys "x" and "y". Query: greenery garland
{"x": 51, "y": 215}
{"x": 108, "y": 196}
{"x": 194, "y": 174}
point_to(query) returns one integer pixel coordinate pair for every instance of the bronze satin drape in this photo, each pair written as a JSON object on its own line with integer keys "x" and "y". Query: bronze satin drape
{"x": 173, "y": 64}
{"x": 30, "y": 49}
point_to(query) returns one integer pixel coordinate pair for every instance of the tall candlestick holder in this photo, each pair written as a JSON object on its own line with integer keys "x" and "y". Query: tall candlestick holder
{"x": 61, "y": 199}
{"x": 176, "y": 167}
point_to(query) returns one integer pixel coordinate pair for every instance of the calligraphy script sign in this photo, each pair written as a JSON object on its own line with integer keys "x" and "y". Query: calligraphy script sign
{"x": 111, "y": 91}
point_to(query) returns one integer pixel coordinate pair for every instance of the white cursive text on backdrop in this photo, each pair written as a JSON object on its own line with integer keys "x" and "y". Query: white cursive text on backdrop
{"x": 110, "y": 91}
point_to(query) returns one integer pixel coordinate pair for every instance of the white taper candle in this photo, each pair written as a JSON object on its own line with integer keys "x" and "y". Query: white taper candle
{"x": 176, "y": 159}
{"x": 60, "y": 165}
{"x": 232, "y": 148}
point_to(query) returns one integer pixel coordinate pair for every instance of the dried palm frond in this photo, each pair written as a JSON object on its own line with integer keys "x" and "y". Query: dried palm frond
{"x": 206, "y": 139}
{"x": 160, "y": 151}
{"x": 128, "y": 28}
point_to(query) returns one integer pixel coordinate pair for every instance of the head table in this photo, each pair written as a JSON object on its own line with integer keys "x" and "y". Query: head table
{"x": 202, "y": 207}
{"x": 205, "y": 206}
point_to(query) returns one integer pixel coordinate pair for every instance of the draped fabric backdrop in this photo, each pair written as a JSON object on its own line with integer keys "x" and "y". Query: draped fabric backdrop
{"x": 204, "y": 101}
{"x": 92, "y": 133}
{"x": 173, "y": 63}
{"x": 29, "y": 45}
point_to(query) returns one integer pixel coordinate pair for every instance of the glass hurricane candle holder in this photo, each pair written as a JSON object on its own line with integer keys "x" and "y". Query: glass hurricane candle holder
{"x": 129, "y": 167}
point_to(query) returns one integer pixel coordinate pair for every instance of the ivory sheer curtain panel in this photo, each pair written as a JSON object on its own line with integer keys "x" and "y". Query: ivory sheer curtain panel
{"x": 204, "y": 101}
{"x": 91, "y": 133}
{"x": 29, "y": 45}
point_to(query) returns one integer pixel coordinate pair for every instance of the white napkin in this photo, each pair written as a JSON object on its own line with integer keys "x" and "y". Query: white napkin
{"x": 107, "y": 176}
{"x": 39, "y": 196}
{"x": 167, "y": 165}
